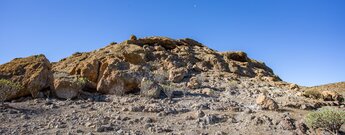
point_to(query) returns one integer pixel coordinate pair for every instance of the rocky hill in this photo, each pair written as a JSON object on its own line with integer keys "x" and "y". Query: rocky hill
{"x": 153, "y": 85}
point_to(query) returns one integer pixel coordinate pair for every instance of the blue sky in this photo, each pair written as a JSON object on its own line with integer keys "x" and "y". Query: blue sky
{"x": 303, "y": 41}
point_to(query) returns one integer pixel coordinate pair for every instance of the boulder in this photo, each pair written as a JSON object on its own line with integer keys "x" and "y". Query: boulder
{"x": 68, "y": 86}
{"x": 24, "y": 77}
{"x": 149, "y": 88}
{"x": 266, "y": 102}
{"x": 118, "y": 82}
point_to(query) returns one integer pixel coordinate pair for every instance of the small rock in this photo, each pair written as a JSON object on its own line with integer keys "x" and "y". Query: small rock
{"x": 220, "y": 133}
{"x": 136, "y": 108}
{"x": 88, "y": 124}
{"x": 248, "y": 110}
{"x": 199, "y": 114}
{"x": 189, "y": 117}
{"x": 104, "y": 128}
{"x": 148, "y": 120}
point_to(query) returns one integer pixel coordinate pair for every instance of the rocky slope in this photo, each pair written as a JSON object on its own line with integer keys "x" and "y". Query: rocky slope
{"x": 153, "y": 85}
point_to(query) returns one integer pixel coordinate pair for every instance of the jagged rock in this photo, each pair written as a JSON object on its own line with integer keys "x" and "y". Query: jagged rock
{"x": 266, "y": 103}
{"x": 24, "y": 77}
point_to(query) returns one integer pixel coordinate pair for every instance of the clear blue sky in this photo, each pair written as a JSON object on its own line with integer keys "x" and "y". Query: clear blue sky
{"x": 303, "y": 41}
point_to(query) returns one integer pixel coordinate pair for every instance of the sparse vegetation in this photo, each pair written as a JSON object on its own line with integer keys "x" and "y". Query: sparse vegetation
{"x": 82, "y": 81}
{"x": 39, "y": 55}
{"x": 6, "y": 87}
{"x": 326, "y": 118}
{"x": 10, "y": 84}
{"x": 113, "y": 43}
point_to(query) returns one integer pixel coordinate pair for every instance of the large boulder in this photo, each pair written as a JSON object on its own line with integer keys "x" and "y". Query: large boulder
{"x": 266, "y": 102}
{"x": 25, "y": 77}
{"x": 68, "y": 86}
{"x": 118, "y": 83}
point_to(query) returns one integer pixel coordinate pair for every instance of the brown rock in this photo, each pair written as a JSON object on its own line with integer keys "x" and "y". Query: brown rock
{"x": 266, "y": 103}
{"x": 25, "y": 76}
{"x": 118, "y": 82}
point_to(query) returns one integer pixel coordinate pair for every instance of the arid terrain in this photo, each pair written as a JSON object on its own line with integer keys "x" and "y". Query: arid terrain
{"x": 156, "y": 85}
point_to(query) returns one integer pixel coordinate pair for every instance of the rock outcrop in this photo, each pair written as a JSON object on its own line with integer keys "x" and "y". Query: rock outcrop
{"x": 155, "y": 85}
{"x": 119, "y": 68}
{"x": 25, "y": 77}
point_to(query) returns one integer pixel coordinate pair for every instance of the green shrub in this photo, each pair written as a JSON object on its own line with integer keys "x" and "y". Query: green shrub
{"x": 9, "y": 83}
{"x": 326, "y": 118}
{"x": 82, "y": 81}
{"x": 113, "y": 43}
{"x": 8, "y": 88}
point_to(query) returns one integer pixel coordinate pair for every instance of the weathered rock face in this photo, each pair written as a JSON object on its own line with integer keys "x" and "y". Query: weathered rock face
{"x": 119, "y": 68}
{"x": 266, "y": 103}
{"x": 25, "y": 76}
